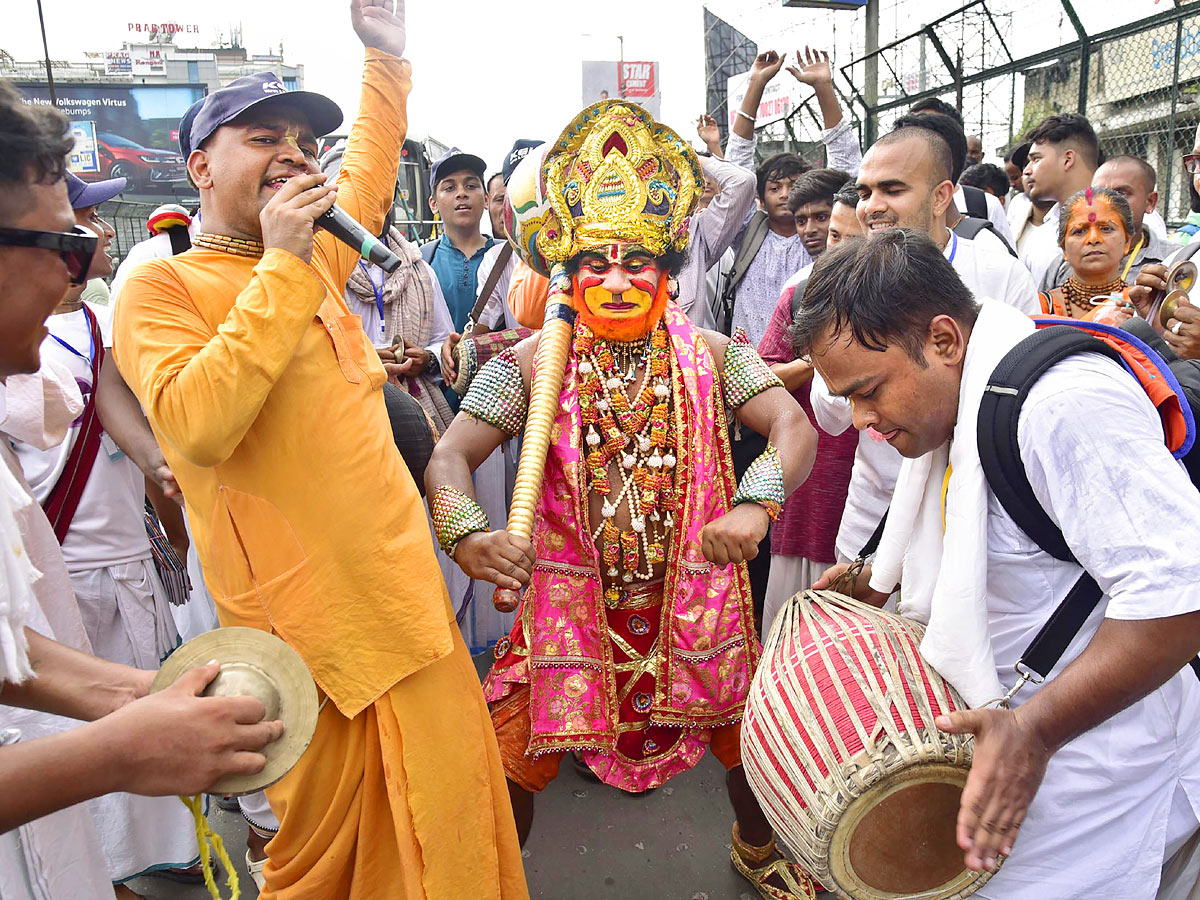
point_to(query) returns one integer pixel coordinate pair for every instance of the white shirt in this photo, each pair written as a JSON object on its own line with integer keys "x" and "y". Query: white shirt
{"x": 108, "y": 527}
{"x": 986, "y": 273}
{"x": 496, "y": 313}
{"x": 991, "y": 271}
{"x": 156, "y": 247}
{"x": 369, "y": 313}
{"x": 995, "y": 210}
{"x": 1102, "y": 819}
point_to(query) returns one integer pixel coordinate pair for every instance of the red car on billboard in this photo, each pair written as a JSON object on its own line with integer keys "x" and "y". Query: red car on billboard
{"x": 145, "y": 167}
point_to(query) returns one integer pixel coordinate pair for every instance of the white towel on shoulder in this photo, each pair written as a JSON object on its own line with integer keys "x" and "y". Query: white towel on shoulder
{"x": 943, "y": 574}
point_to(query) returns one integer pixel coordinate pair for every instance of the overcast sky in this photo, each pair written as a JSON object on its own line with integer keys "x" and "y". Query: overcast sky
{"x": 487, "y": 72}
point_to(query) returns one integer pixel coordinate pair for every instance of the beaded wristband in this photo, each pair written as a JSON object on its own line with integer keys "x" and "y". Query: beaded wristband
{"x": 762, "y": 483}
{"x": 455, "y": 515}
{"x": 746, "y": 375}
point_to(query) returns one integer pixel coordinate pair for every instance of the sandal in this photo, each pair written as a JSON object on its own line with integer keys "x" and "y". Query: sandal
{"x": 255, "y": 867}
{"x": 799, "y": 885}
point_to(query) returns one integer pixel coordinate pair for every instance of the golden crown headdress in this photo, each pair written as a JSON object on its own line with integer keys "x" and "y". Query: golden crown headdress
{"x": 615, "y": 174}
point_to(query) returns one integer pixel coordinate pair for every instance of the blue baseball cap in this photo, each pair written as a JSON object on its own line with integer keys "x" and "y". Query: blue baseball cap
{"x": 84, "y": 194}
{"x": 454, "y": 160}
{"x": 250, "y": 91}
{"x": 519, "y": 151}
{"x": 185, "y": 128}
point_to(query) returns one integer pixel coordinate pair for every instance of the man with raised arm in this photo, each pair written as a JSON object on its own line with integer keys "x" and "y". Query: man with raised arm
{"x": 266, "y": 395}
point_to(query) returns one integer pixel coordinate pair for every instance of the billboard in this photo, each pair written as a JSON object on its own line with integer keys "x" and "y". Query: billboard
{"x": 84, "y": 158}
{"x": 634, "y": 80}
{"x": 779, "y": 99}
{"x": 123, "y": 130}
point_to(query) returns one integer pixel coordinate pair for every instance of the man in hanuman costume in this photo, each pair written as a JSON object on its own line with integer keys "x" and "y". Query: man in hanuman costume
{"x": 635, "y": 643}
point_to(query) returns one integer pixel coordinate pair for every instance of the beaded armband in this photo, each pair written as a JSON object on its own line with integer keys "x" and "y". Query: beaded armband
{"x": 455, "y": 515}
{"x": 762, "y": 483}
{"x": 497, "y": 394}
{"x": 746, "y": 375}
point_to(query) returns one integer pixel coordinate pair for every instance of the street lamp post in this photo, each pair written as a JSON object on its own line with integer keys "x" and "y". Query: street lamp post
{"x": 620, "y": 66}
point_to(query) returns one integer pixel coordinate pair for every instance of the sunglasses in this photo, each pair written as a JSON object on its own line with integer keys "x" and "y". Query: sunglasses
{"x": 1191, "y": 163}
{"x": 75, "y": 247}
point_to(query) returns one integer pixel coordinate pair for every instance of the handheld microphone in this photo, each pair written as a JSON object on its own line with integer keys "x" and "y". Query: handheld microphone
{"x": 347, "y": 230}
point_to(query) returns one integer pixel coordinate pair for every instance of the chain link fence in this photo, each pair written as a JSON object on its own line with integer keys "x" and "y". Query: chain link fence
{"x": 1138, "y": 83}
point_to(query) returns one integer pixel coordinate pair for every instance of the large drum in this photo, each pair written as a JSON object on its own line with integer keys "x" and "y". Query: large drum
{"x": 840, "y": 748}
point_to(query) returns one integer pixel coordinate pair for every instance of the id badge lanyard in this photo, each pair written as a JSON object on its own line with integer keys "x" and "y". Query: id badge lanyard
{"x": 377, "y": 290}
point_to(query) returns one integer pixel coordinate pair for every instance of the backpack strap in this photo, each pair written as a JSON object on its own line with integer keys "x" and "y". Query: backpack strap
{"x": 1050, "y": 306}
{"x": 62, "y": 501}
{"x": 969, "y": 227}
{"x": 1000, "y": 457}
{"x": 429, "y": 248}
{"x": 181, "y": 241}
{"x": 976, "y": 200}
{"x": 752, "y": 240}
{"x": 798, "y": 296}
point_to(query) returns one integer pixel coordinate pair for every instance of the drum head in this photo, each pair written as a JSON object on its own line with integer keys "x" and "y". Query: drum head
{"x": 254, "y": 663}
{"x": 897, "y": 839}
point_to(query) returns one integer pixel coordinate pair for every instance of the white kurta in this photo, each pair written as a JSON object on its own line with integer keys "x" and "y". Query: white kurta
{"x": 1121, "y": 797}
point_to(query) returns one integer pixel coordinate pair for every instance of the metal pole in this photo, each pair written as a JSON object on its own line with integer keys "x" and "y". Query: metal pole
{"x": 871, "y": 70}
{"x": 46, "y": 53}
{"x": 1170, "y": 148}
{"x": 1085, "y": 54}
{"x": 621, "y": 67}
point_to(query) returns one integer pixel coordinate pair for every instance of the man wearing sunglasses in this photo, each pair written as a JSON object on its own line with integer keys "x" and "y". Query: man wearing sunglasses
{"x": 266, "y": 395}
{"x": 171, "y": 742}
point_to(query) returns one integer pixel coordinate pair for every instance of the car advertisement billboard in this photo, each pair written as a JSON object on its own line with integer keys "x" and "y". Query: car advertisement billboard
{"x": 132, "y": 130}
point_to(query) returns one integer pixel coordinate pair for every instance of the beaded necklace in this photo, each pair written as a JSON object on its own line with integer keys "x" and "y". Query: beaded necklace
{"x": 641, "y": 436}
{"x": 1079, "y": 295}
{"x": 227, "y": 244}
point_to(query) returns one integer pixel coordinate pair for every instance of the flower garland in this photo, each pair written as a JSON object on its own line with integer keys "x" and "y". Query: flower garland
{"x": 640, "y": 434}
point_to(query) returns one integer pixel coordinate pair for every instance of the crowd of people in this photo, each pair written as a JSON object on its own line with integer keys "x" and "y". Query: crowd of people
{"x": 246, "y": 423}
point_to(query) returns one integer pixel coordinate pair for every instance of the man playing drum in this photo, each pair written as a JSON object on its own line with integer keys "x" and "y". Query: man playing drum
{"x": 635, "y": 643}
{"x": 1090, "y": 782}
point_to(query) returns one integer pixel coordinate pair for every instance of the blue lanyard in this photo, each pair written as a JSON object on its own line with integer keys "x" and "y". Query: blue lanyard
{"x": 377, "y": 289}
{"x": 953, "y": 246}
{"x": 91, "y": 347}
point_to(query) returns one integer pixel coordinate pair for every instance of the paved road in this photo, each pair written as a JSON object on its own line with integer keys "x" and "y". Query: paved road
{"x": 592, "y": 842}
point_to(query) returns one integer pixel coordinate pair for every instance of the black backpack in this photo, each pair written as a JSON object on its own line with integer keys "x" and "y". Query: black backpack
{"x": 1055, "y": 340}
{"x": 975, "y": 218}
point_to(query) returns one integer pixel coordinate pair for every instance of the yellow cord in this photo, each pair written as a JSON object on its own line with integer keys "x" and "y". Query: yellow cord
{"x": 205, "y": 837}
{"x": 1133, "y": 255}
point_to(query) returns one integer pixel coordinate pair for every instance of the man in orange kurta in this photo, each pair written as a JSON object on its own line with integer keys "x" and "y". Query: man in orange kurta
{"x": 266, "y": 398}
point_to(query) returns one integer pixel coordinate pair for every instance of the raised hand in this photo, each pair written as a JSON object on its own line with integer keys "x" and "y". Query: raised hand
{"x": 707, "y": 128}
{"x": 766, "y": 66}
{"x": 815, "y": 70}
{"x": 378, "y": 26}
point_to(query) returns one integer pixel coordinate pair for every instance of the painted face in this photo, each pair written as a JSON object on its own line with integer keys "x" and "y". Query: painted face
{"x": 622, "y": 289}
{"x": 843, "y": 224}
{"x": 1095, "y": 240}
